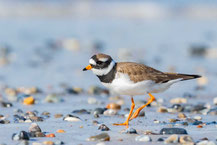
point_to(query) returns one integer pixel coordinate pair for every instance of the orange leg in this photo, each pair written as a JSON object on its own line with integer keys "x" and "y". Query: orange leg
{"x": 136, "y": 113}
{"x": 126, "y": 123}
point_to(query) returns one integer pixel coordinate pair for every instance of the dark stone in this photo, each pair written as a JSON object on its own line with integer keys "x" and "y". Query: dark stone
{"x": 173, "y": 131}
{"x": 103, "y": 127}
{"x": 99, "y": 111}
{"x": 4, "y": 121}
{"x": 130, "y": 131}
{"x": 71, "y": 91}
{"x": 178, "y": 107}
{"x": 21, "y": 136}
{"x": 197, "y": 122}
{"x": 160, "y": 139}
{"x": 6, "y": 104}
{"x": 81, "y": 111}
{"x": 36, "y": 119}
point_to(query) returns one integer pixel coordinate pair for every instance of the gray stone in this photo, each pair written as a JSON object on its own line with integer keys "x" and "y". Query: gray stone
{"x": 173, "y": 131}
{"x": 143, "y": 138}
{"x": 100, "y": 137}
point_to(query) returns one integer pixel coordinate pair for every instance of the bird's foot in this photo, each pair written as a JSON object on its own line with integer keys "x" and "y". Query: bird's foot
{"x": 121, "y": 124}
{"x": 135, "y": 114}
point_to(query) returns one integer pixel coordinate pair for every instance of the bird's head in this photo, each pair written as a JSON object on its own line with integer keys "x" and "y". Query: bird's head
{"x": 100, "y": 64}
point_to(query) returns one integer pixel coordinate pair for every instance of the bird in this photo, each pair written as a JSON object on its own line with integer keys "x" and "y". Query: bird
{"x": 131, "y": 79}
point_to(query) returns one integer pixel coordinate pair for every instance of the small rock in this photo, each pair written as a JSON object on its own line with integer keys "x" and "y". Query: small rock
{"x": 113, "y": 106}
{"x": 60, "y": 131}
{"x": 100, "y": 137}
{"x": 143, "y": 138}
{"x": 53, "y": 98}
{"x": 58, "y": 115}
{"x": 103, "y": 127}
{"x": 4, "y": 121}
{"x": 172, "y": 139}
{"x": 182, "y": 116}
{"x": 173, "y": 120}
{"x": 176, "y": 108}
{"x": 160, "y": 139}
{"x": 36, "y": 119}
{"x": 95, "y": 122}
{"x": 34, "y": 128}
{"x": 178, "y": 101}
{"x": 198, "y": 118}
{"x": 72, "y": 118}
{"x": 94, "y": 90}
{"x": 110, "y": 112}
{"x": 48, "y": 143}
{"x": 74, "y": 91}
{"x": 173, "y": 131}
{"x": 186, "y": 140}
{"x": 21, "y": 136}
{"x": 45, "y": 113}
{"x": 92, "y": 100}
{"x": 58, "y": 142}
{"x": 129, "y": 131}
{"x": 206, "y": 142}
{"x": 36, "y": 143}
{"x": 162, "y": 109}
{"x": 81, "y": 111}
{"x": 197, "y": 122}
{"x": 6, "y": 104}
{"x": 99, "y": 111}
{"x": 215, "y": 101}
{"x": 29, "y": 101}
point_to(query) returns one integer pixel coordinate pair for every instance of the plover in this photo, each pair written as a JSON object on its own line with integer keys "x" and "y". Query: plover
{"x": 130, "y": 78}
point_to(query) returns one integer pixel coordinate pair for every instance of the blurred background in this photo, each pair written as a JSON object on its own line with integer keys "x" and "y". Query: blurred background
{"x": 48, "y": 42}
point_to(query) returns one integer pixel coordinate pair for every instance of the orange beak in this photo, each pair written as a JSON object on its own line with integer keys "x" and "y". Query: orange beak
{"x": 89, "y": 67}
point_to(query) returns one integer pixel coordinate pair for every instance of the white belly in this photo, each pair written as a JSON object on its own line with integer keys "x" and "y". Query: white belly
{"x": 122, "y": 85}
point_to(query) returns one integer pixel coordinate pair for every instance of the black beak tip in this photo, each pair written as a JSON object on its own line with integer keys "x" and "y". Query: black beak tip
{"x": 84, "y": 69}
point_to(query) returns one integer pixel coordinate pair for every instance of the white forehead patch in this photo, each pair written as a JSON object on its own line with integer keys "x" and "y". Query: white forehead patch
{"x": 91, "y": 61}
{"x": 103, "y": 59}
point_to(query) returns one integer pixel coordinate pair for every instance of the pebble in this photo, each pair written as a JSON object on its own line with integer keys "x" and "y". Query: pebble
{"x": 129, "y": 130}
{"x": 34, "y": 128}
{"x": 110, "y": 112}
{"x": 36, "y": 119}
{"x": 74, "y": 91}
{"x": 215, "y": 101}
{"x": 4, "y": 121}
{"x": 36, "y": 143}
{"x": 173, "y": 131}
{"x": 53, "y": 98}
{"x": 103, "y": 127}
{"x": 113, "y": 106}
{"x": 48, "y": 143}
{"x": 143, "y": 138}
{"x": 206, "y": 142}
{"x": 29, "y": 101}
{"x": 20, "y": 136}
{"x": 182, "y": 116}
{"x": 172, "y": 139}
{"x": 6, "y": 104}
{"x": 92, "y": 100}
{"x": 100, "y": 137}
{"x": 198, "y": 118}
{"x": 196, "y": 122}
{"x": 176, "y": 108}
{"x": 178, "y": 100}
{"x": 81, "y": 111}
{"x": 58, "y": 142}
{"x": 99, "y": 111}
{"x": 160, "y": 139}
{"x": 37, "y": 134}
{"x": 60, "y": 131}
{"x": 72, "y": 118}
{"x": 50, "y": 135}
{"x": 95, "y": 90}
{"x": 58, "y": 115}
{"x": 186, "y": 140}
{"x": 162, "y": 109}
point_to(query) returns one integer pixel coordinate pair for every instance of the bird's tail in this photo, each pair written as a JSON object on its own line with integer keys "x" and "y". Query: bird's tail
{"x": 183, "y": 77}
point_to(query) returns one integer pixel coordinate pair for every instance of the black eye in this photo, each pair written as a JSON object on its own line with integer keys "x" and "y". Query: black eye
{"x": 99, "y": 62}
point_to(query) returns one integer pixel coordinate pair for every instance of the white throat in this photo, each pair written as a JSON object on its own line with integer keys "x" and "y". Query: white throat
{"x": 104, "y": 71}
